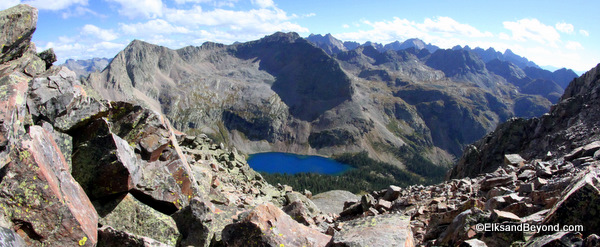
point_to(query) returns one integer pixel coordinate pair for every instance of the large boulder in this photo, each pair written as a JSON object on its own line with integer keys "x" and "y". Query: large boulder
{"x": 105, "y": 164}
{"x": 41, "y": 198}
{"x": 17, "y": 25}
{"x": 380, "y": 230}
{"x": 268, "y": 225}
{"x": 132, "y": 149}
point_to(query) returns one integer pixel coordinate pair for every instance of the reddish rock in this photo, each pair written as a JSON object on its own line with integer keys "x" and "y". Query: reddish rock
{"x": 12, "y": 107}
{"x": 43, "y": 201}
{"x": 267, "y": 225}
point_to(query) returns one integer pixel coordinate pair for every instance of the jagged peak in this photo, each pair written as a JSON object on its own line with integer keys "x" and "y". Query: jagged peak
{"x": 289, "y": 37}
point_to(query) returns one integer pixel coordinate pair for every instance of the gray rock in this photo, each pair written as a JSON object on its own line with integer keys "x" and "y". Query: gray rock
{"x": 110, "y": 237}
{"x": 514, "y": 160}
{"x": 380, "y": 230}
{"x": 48, "y": 57}
{"x": 9, "y": 238}
{"x": 312, "y": 208}
{"x": 473, "y": 243}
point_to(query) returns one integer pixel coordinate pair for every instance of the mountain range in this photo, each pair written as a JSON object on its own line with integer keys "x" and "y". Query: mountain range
{"x": 318, "y": 96}
{"x": 83, "y": 68}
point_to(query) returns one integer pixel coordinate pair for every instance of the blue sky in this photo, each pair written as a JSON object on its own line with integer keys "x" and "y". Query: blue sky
{"x": 550, "y": 33}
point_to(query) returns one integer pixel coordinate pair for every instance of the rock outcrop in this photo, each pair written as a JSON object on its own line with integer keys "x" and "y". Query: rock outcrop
{"x": 570, "y": 124}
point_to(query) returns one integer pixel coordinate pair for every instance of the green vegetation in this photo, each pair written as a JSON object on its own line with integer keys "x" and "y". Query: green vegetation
{"x": 415, "y": 162}
{"x": 367, "y": 175}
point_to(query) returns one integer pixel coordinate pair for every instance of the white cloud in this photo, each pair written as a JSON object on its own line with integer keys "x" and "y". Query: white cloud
{"x": 5, "y": 4}
{"x": 140, "y": 8}
{"x": 102, "y": 34}
{"x": 216, "y": 3}
{"x": 565, "y": 27}
{"x": 437, "y": 30}
{"x": 256, "y": 21}
{"x": 80, "y": 11}
{"x": 263, "y": 3}
{"x": 77, "y": 50}
{"x": 584, "y": 33}
{"x": 448, "y": 26}
{"x": 192, "y": 1}
{"x": 532, "y": 29}
{"x": 54, "y": 4}
{"x": 504, "y": 36}
{"x": 346, "y": 26}
{"x": 572, "y": 45}
{"x": 156, "y": 26}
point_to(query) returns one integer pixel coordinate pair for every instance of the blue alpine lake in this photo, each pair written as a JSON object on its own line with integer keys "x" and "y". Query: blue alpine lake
{"x": 293, "y": 163}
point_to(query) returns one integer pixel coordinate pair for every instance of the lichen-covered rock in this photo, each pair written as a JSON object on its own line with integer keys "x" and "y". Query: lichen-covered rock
{"x": 127, "y": 214}
{"x": 267, "y": 225}
{"x": 41, "y": 198}
{"x": 13, "y": 116}
{"x": 17, "y": 25}
{"x": 105, "y": 164}
{"x": 380, "y": 230}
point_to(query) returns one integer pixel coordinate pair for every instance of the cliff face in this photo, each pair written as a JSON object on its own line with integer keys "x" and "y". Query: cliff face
{"x": 571, "y": 123}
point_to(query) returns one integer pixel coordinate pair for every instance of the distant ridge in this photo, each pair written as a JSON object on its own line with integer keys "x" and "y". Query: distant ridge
{"x": 83, "y": 68}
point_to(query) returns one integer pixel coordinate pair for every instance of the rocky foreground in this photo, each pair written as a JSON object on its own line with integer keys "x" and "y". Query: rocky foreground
{"x": 81, "y": 171}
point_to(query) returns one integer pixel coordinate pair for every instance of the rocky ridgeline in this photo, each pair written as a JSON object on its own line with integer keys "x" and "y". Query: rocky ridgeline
{"x": 561, "y": 191}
